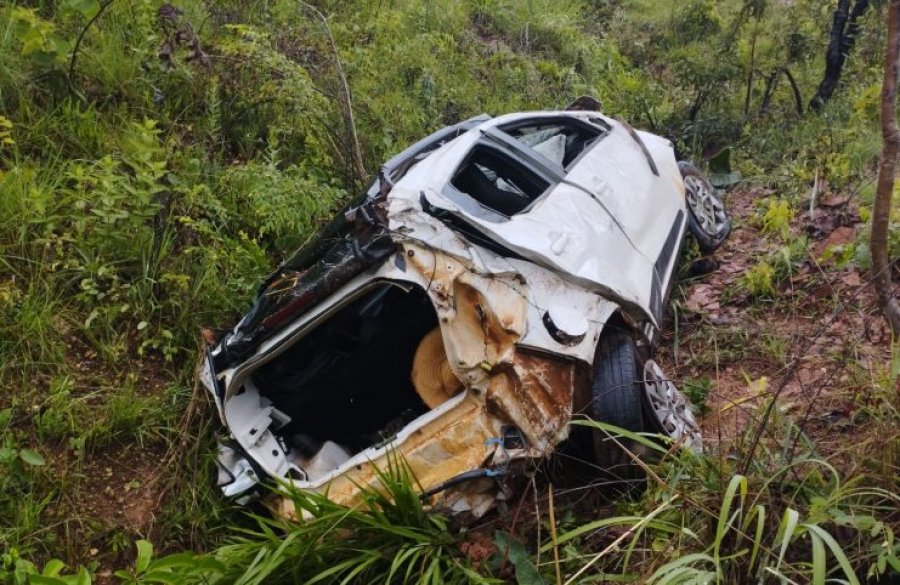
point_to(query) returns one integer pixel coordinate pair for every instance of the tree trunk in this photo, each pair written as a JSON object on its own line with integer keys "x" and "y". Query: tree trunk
{"x": 881, "y": 210}
{"x": 750, "y": 70}
{"x": 843, "y": 37}
{"x": 772, "y": 85}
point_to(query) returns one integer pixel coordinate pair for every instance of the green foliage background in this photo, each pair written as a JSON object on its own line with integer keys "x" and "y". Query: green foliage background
{"x": 151, "y": 177}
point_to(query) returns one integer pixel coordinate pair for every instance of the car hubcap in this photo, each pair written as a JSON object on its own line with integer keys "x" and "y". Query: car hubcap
{"x": 707, "y": 207}
{"x": 671, "y": 408}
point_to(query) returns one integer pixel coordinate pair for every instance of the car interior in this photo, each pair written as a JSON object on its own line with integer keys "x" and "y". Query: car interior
{"x": 350, "y": 383}
{"x": 497, "y": 182}
{"x": 507, "y": 186}
{"x": 560, "y": 141}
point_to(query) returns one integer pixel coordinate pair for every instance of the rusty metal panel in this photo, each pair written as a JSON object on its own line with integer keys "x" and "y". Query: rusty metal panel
{"x": 482, "y": 317}
{"x": 450, "y": 445}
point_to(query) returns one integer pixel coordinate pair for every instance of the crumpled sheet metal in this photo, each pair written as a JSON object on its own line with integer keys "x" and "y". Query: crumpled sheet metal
{"x": 542, "y": 289}
{"x": 482, "y": 317}
{"x": 609, "y": 246}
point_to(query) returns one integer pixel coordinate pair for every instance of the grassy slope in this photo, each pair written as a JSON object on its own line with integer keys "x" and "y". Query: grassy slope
{"x": 144, "y": 195}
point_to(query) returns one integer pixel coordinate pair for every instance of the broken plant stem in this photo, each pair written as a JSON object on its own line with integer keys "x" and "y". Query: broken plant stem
{"x": 553, "y": 535}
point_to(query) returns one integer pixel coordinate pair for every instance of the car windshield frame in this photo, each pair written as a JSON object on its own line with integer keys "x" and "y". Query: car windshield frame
{"x": 596, "y": 126}
{"x": 506, "y": 158}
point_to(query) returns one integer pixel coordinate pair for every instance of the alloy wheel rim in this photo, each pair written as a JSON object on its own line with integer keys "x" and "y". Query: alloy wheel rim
{"x": 671, "y": 408}
{"x": 707, "y": 207}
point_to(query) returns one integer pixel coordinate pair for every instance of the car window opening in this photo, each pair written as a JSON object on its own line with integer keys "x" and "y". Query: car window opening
{"x": 497, "y": 182}
{"x": 559, "y": 141}
{"x": 358, "y": 379}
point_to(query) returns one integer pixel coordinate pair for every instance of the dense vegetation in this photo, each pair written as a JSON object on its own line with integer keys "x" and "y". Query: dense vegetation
{"x": 157, "y": 159}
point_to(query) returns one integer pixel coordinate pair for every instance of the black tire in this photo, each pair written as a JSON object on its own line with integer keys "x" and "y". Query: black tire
{"x": 616, "y": 393}
{"x": 709, "y": 226}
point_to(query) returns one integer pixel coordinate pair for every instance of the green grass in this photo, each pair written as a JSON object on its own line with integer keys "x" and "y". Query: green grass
{"x": 702, "y": 521}
{"x": 390, "y": 537}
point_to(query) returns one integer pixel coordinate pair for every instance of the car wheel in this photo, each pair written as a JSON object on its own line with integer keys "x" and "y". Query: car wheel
{"x": 632, "y": 393}
{"x": 616, "y": 400}
{"x": 669, "y": 409}
{"x": 707, "y": 218}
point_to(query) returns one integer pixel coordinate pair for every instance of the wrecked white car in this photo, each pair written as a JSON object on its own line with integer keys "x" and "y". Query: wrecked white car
{"x": 500, "y": 276}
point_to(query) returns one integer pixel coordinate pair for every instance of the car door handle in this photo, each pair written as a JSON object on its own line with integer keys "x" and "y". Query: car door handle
{"x": 560, "y": 241}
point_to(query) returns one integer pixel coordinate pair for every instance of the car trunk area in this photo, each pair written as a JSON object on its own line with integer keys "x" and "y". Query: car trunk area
{"x": 346, "y": 385}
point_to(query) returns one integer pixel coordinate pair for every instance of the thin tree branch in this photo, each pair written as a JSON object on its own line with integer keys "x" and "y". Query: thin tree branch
{"x": 798, "y": 99}
{"x": 881, "y": 208}
{"x": 750, "y": 69}
{"x": 359, "y": 170}
{"x": 102, "y": 8}
{"x": 772, "y": 85}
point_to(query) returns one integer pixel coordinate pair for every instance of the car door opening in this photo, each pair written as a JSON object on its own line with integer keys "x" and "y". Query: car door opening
{"x": 357, "y": 379}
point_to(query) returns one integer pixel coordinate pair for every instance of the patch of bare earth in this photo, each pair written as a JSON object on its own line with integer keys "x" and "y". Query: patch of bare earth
{"x": 819, "y": 343}
{"x": 120, "y": 488}
{"x": 109, "y": 492}
{"x": 112, "y": 498}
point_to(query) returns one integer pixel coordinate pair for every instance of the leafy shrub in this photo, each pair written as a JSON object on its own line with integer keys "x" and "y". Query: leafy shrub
{"x": 759, "y": 280}
{"x": 762, "y": 278}
{"x": 777, "y": 218}
{"x": 36, "y": 36}
{"x": 278, "y": 206}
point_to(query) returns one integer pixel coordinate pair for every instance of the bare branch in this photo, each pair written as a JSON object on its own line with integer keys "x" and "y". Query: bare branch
{"x": 772, "y": 85}
{"x": 359, "y": 170}
{"x": 84, "y": 30}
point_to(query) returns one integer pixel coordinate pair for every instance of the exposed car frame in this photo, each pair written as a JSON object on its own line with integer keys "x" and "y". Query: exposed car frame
{"x": 524, "y": 274}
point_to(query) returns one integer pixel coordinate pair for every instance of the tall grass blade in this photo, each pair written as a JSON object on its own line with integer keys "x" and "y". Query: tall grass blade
{"x": 836, "y": 551}
{"x": 758, "y": 512}
{"x": 685, "y": 570}
{"x": 786, "y": 532}
{"x": 818, "y": 559}
{"x": 738, "y": 484}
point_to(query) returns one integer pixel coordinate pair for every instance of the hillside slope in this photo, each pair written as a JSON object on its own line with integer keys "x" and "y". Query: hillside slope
{"x": 157, "y": 159}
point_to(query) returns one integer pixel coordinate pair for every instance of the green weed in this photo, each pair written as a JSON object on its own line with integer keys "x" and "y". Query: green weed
{"x": 390, "y": 538}
{"x": 702, "y": 522}
{"x": 777, "y": 218}
{"x": 697, "y": 391}
{"x": 763, "y": 278}
{"x": 759, "y": 280}
{"x": 775, "y": 346}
